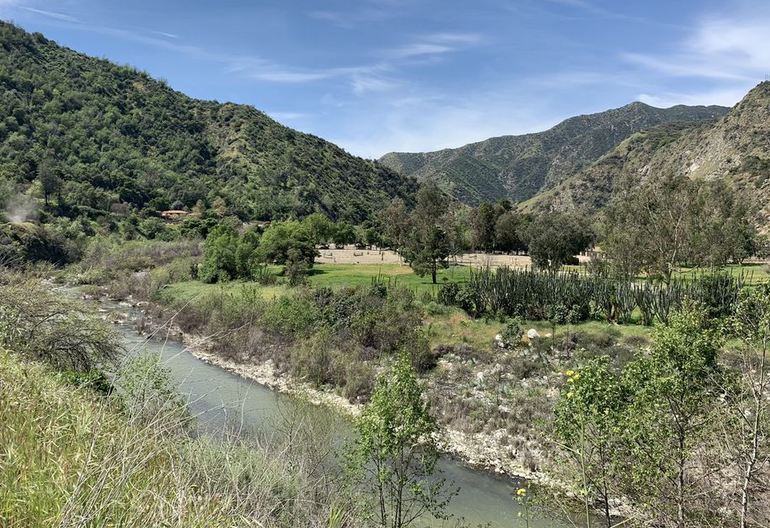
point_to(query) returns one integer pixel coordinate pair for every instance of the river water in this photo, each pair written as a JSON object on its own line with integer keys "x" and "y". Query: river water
{"x": 217, "y": 397}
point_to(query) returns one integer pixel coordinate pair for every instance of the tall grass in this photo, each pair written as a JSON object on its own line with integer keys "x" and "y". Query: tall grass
{"x": 71, "y": 458}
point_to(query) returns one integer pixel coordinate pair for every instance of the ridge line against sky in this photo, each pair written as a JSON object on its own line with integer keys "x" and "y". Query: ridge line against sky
{"x": 395, "y": 75}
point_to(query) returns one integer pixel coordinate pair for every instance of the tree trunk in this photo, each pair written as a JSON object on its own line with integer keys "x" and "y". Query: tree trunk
{"x": 748, "y": 474}
{"x": 680, "y": 485}
{"x": 433, "y": 273}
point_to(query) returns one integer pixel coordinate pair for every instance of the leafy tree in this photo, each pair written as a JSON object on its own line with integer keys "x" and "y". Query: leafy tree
{"x": 509, "y": 230}
{"x": 555, "y": 238}
{"x": 396, "y": 453}
{"x": 675, "y": 221}
{"x": 589, "y": 423}
{"x": 220, "y": 262}
{"x": 749, "y": 437}
{"x": 343, "y": 234}
{"x": 320, "y": 227}
{"x": 246, "y": 254}
{"x": 288, "y": 243}
{"x": 428, "y": 246}
{"x": 675, "y": 389}
{"x": 50, "y": 182}
{"x": 483, "y": 223}
{"x": 395, "y": 223}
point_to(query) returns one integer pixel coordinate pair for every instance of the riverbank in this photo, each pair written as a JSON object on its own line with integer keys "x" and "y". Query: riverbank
{"x": 481, "y": 451}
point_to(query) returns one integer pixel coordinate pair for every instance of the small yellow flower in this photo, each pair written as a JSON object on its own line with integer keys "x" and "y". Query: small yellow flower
{"x": 570, "y": 373}
{"x": 521, "y": 492}
{"x": 576, "y": 376}
{"x": 568, "y": 395}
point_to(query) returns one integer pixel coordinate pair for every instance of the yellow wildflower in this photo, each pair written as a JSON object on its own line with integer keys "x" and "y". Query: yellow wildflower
{"x": 521, "y": 492}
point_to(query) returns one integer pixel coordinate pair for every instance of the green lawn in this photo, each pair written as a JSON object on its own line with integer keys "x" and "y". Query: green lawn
{"x": 753, "y": 273}
{"x": 340, "y": 275}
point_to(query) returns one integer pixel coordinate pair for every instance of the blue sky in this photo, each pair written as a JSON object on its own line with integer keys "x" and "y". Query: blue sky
{"x": 382, "y": 75}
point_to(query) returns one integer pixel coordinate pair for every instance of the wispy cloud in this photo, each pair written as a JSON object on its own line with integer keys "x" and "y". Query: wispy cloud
{"x": 726, "y": 55}
{"x": 718, "y": 96}
{"x": 289, "y": 116}
{"x": 589, "y": 8}
{"x": 364, "y": 12}
{"x": 50, "y": 14}
{"x": 733, "y": 48}
{"x": 164, "y": 34}
{"x": 434, "y": 44}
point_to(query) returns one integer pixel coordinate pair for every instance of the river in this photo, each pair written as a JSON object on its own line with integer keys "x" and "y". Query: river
{"x": 216, "y": 395}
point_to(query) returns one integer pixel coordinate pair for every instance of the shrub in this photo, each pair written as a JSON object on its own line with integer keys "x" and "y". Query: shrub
{"x": 41, "y": 324}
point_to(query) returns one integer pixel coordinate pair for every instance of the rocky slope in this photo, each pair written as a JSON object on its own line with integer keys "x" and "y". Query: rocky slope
{"x": 521, "y": 167}
{"x": 735, "y": 147}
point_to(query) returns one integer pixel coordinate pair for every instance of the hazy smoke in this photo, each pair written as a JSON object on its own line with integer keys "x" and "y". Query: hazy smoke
{"x": 20, "y": 208}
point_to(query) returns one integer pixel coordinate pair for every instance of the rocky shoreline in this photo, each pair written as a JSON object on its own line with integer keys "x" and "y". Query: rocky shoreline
{"x": 480, "y": 451}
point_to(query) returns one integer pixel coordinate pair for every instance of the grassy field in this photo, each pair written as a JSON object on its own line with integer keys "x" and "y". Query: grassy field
{"x": 447, "y": 326}
{"x": 327, "y": 275}
{"x": 753, "y": 273}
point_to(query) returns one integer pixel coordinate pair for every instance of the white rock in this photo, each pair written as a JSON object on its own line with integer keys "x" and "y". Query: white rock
{"x": 532, "y": 333}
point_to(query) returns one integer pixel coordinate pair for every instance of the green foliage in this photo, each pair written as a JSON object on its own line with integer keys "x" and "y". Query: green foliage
{"x": 40, "y": 324}
{"x": 427, "y": 244}
{"x": 285, "y": 242}
{"x": 571, "y": 297}
{"x": 520, "y": 167}
{"x": 589, "y": 424}
{"x": 31, "y": 243}
{"x": 675, "y": 391}
{"x": 553, "y": 239}
{"x": 96, "y": 140}
{"x": 395, "y": 454}
{"x": 220, "y": 261}
{"x": 77, "y": 458}
{"x": 677, "y": 221}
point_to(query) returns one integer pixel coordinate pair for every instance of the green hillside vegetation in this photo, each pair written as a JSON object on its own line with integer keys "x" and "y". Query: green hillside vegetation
{"x": 520, "y": 167}
{"x": 83, "y": 138}
{"x": 734, "y": 149}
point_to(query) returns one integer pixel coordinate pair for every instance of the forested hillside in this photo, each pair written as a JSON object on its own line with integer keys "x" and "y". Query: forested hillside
{"x": 735, "y": 148}
{"x": 520, "y": 167}
{"x": 93, "y": 139}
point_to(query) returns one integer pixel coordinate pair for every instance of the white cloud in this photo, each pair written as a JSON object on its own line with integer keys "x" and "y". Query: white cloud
{"x": 289, "y": 116}
{"x": 416, "y": 123}
{"x": 164, "y": 34}
{"x": 51, "y": 14}
{"x": 363, "y": 84}
{"x": 434, "y": 44}
{"x": 717, "y": 61}
{"x": 730, "y": 48}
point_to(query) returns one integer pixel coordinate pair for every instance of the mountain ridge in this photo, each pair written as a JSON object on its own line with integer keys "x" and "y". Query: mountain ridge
{"x": 519, "y": 167}
{"x": 103, "y": 137}
{"x": 735, "y": 147}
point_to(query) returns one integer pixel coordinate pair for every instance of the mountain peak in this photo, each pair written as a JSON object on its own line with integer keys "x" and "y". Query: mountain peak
{"x": 520, "y": 167}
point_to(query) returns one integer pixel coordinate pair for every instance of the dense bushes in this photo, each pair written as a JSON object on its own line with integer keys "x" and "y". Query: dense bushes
{"x": 572, "y": 297}
{"x": 325, "y": 336}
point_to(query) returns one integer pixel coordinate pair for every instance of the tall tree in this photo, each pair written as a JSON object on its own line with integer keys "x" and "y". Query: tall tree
{"x": 483, "y": 221}
{"x": 675, "y": 390}
{"x": 428, "y": 246}
{"x": 589, "y": 419}
{"x": 750, "y": 442}
{"x": 555, "y": 238}
{"x": 673, "y": 221}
